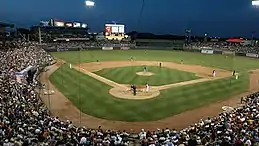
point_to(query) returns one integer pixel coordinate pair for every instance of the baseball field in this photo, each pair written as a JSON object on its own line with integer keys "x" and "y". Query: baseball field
{"x": 181, "y": 91}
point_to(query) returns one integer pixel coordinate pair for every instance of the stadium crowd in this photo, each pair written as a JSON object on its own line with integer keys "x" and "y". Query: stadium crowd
{"x": 89, "y": 44}
{"x": 25, "y": 120}
{"x": 225, "y": 46}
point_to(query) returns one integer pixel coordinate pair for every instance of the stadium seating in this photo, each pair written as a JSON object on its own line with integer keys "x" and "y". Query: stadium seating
{"x": 25, "y": 120}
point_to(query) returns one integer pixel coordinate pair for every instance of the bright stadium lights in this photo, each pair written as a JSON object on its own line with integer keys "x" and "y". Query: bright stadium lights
{"x": 89, "y": 3}
{"x": 255, "y": 2}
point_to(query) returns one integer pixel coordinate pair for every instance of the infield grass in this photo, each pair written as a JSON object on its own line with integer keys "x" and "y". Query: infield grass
{"x": 91, "y": 96}
{"x": 161, "y": 76}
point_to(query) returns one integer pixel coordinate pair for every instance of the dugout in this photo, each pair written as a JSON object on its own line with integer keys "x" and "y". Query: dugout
{"x": 163, "y": 43}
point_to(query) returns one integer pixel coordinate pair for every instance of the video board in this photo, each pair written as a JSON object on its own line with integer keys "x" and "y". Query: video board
{"x": 69, "y": 24}
{"x": 114, "y": 29}
{"x": 84, "y": 25}
{"x": 76, "y": 24}
{"x": 58, "y": 23}
{"x": 255, "y": 2}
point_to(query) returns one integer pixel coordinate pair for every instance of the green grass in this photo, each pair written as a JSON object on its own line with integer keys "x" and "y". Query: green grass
{"x": 91, "y": 96}
{"x": 162, "y": 76}
{"x": 241, "y": 64}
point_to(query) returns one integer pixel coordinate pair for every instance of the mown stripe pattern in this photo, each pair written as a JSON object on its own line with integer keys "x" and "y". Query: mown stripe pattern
{"x": 162, "y": 76}
{"x": 95, "y": 100}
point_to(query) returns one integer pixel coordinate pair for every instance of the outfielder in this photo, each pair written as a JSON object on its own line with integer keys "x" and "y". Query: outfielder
{"x": 234, "y": 72}
{"x": 147, "y": 87}
{"x": 236, "y": 76}
{"x": 214, "y": 73}
{"x": 145, "y": 69}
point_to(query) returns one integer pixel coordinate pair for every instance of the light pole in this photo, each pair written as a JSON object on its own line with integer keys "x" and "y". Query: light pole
{"x": 89, "y": 3}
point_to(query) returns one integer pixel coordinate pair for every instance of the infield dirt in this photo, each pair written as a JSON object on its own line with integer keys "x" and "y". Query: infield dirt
{"x": 60, "y": 106}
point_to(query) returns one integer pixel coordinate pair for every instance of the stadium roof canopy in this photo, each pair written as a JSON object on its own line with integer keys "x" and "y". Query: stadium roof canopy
{"x": 3, "y": 24}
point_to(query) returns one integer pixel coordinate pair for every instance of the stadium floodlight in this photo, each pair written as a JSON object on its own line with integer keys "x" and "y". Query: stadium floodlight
{"x": 89, "y": 3}
{"x": 255, "y": 2}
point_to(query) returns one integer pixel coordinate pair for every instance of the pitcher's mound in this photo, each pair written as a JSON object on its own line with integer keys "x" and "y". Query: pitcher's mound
{"x": 145, "y": 73}
{"x": 128, "y": 93}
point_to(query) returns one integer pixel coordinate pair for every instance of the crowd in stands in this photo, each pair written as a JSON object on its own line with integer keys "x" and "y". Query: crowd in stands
{"x": 90, "y": 44}
{"x": 225, "y": 46}
{"x": 25, "y": 120}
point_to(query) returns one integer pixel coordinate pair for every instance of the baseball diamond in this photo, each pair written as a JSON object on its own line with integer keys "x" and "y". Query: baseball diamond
{"x": 129, "y": 73}
{"x": 183, "y": 86}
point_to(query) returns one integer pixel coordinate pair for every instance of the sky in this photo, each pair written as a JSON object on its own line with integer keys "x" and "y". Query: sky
{"x": 224, "y": 18}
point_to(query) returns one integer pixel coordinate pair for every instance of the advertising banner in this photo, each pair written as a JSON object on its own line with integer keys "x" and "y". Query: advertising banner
{"x": 125, "y": 48}
{"x": 217, "y": 52}
{"x": 252, "y": 55}
{"x": 228, "y": 52}
{"x": 240, "y": 54}
{"x": 107, "y": 48}
{"x": 207, "y": 51}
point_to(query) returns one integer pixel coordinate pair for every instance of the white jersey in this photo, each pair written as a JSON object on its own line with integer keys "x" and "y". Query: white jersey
{"x": 147, "y": 87}
{"x": 236, "y": 76}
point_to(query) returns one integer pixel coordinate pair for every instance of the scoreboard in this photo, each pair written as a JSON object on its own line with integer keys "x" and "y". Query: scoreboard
{"x": 114, "y": 31}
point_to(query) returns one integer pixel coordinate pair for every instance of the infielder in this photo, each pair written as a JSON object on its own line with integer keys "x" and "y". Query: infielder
{"x": 131, "y": 58}
{"x": 236, "y": 76}
{"x": 145, "y": 69}
{"x": 214, "y": 73}
{"x": 147, "y": 87}
{"x": 134, "y": 89}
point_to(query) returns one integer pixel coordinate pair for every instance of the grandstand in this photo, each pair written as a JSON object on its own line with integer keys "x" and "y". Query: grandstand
{"x": 26, "y": 120}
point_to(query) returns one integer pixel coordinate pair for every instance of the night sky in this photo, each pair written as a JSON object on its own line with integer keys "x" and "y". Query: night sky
{"x": 217, "y": 18}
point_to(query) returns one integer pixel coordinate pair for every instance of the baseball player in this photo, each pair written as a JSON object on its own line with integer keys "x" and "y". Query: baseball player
{"x": 131, "y": 58}
{"x": 147, "y": 87}
{"x": 145, "y": 69}
{"x": 214, "y": 73}
{"x": 234, "y": 72}
{"x": 134, "y": 88}
{"x": 160, "y": 64}
{"x": 236, "y": 75}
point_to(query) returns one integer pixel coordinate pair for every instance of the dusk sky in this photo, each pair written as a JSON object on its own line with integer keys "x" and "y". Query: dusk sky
{"x": 217, "y": 18}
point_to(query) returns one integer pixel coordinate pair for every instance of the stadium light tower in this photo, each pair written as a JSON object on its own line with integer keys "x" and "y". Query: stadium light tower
{"x": 89, "y": 3}
{"x": 255, "y": 3}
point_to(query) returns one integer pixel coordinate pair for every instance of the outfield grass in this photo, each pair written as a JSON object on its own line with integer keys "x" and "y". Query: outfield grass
{"x": 162, "y": 76}
{"x": 91, "y": 96}
{"x": 238, "y": 63}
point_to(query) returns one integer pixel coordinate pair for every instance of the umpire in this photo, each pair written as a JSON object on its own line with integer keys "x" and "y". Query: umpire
{"x": 134, "y": 88}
